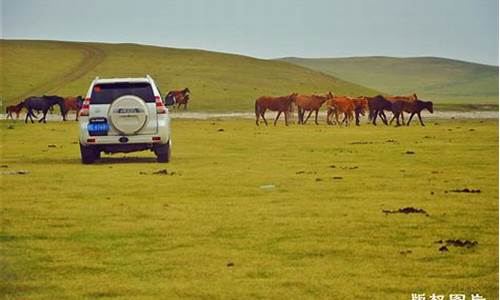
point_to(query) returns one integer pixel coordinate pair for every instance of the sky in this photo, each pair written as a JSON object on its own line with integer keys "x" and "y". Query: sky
{"x": 458, "y": 29}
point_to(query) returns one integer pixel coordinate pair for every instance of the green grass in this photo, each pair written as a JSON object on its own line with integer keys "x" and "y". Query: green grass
{"x": 107, "y": 231}
{"x": 219, "y": 82}
{"x": 442, "y": 80}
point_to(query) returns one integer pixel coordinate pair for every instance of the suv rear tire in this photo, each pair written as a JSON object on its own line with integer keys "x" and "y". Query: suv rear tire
{"x": 89, "y": 154}
{"x": 163, "y": 153}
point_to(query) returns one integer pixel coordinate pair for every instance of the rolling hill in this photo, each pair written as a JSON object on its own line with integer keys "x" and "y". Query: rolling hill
{"x": 218, "y": 81}
{"x": 442, "y": 80}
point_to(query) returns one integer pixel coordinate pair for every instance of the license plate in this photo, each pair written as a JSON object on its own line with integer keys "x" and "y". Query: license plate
{"x": 98, "y": 127}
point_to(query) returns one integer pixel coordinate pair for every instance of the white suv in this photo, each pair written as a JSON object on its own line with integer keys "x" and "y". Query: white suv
{"x": 124, "y": 115}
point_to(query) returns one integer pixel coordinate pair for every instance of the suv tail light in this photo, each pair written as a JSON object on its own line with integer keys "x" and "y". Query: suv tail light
{"x": 84, "y": 111}
{"x": 160, "y": 107}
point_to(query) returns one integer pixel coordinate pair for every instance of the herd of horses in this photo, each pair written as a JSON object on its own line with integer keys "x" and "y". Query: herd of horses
{"x": 45, "y": 103}
{"x": 341, "y": 106}
{"x": 348, "y": 108}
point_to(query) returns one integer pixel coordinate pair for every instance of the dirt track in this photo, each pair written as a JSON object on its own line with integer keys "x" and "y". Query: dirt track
{"x": 270, "y": 116}
{"x": 92, "y": 57}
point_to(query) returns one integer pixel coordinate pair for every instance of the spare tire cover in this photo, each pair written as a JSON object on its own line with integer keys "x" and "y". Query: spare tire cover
{"x": 128, "y": 114}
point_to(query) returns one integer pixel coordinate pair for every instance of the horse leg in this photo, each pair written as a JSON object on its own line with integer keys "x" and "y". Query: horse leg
{"x": 357, "y": 118}
{"x": 337, "y": 118}
{"x": 392, "y": 119}
{"x": 332, "y": 112}
{"x": 420, "y": 118}
{"x": 308, "y": 115}
{"x": 44, "y": 116}
{"x": 349, "y": 116}
{"x": 328, "y": 114}
{"x": 383, "y": 117}
{"x": 345, "y": 119}
{"x": 286, "y": 118}
{"x": 375, "y": 115}
{"x": 316, "y": 116}
{"x": 411, "y": 117}
{"x": 64, "y": 113}
{"x": 277, "y": 117}
{"x": 262, "y": 115}
{"x": 30, "y": 115}
{"x": 402, "y": 117}
{"x": 396, "y": 116}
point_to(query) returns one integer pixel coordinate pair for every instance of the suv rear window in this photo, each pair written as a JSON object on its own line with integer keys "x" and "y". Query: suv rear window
{"x": 105, "y": 93}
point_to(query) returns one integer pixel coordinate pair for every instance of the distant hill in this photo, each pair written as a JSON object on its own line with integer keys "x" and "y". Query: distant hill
{"x": 442, "y": 80}
{"x": 218, "y": 81}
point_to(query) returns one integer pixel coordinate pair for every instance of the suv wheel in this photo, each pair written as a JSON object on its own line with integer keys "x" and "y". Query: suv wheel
{"x": 163, "y": 153}
{"x": 89, "y": 154}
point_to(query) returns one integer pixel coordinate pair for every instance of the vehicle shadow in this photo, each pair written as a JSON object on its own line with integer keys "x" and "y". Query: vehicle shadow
{"x": 105, "y": 160}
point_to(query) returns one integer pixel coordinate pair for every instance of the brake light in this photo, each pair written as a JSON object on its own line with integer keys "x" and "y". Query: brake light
{"x": 156, "y": 139}
{"x": 84, "y": 111}
{"x": 160, "y": 107}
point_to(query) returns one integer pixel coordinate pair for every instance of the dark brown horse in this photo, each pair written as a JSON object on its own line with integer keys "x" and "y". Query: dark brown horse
{"x": 73, "y": 103}
{"x": 309, "y": 103}
{"x": 376, "y": 107}
{"x": 360, "y": 107}
{"x": 395, "y": 99}
{"x": 178, "y": 97}
{"x": 412, "y": 107}
{"x": 14, "y": 109}
{"x": 43, "y": 104}
{"x": 281, "y": 104}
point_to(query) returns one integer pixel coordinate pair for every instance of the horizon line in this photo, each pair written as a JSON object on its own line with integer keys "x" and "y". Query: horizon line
{"x": 247, "y": 55}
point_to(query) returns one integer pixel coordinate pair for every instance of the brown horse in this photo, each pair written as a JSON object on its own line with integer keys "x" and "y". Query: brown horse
{"x": 14, "y": 109}
{"x": 340, "y": 105}
{"x": 73, "y": 103}
{"x": 281, "y": 104}
{"x": 413, "y": 107}
{"x": 345, "y": 105}
{"x": 179, "y": 97}
{"x": 309, "y": 103}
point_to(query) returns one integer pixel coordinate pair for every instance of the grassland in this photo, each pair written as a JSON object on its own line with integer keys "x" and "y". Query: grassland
{"x": 445, "y": 81}
{"x": 219, "y": 82}
{"x": 251, "y": 212}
